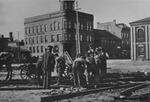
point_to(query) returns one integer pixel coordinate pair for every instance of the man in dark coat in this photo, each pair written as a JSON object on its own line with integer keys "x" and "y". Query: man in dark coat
{"x": 61, "y": 65}
{"x": 48, "y": 60}
{"x": 91, "y": 67}
{"x": 103, "y": 56}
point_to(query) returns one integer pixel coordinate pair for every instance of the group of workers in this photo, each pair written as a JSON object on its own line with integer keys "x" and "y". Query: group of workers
{"x": 86, "y": 69}
{"x": 90, "y": 69}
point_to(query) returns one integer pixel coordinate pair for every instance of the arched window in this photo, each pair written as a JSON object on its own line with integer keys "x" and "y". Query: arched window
{"x": 140, "y": 36}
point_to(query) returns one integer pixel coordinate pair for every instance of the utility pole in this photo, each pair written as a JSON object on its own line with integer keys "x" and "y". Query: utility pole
{"x": 18, "y": 49}
{"x": 78, "y": 49}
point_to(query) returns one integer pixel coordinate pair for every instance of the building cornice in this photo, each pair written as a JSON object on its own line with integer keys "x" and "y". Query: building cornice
{"x": 141, "y": 23}
{"x": 43, "y": 17}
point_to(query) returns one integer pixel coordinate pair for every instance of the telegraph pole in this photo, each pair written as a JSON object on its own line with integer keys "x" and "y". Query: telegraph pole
{"x": 18, "y": 49}
{"x": 78, "y": 49}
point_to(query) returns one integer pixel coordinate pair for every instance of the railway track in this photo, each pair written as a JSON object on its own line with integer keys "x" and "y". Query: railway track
{"x": 127, "y": 94}
{"x": 51, "y": 98}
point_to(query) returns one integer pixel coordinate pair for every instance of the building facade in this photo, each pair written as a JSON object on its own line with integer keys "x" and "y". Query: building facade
{"x": 111, "y": 26}
{"x": 59, "y": 30}
{"x": 140, "y": 39}
{"x": 121, "y": 31}
{"x": 107, "y": 41}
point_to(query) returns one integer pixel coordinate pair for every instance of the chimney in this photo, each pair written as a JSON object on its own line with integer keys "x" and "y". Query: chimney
{"x": 114, "y": 21}
{"x": 11, "y": 36}
{"x": 2, "y": 36}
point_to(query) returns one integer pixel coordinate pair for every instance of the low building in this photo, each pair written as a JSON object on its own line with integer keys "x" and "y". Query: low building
{"x": 107, "y": 41}
{"x": 140, "y": 39}
{"x": 121, "y": 31}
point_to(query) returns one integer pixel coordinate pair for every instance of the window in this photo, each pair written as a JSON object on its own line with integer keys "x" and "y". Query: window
{"x": 140, "y": 35}
{"x": 54, "y": 26}
{"x": 45, "y": 27}
{"x": 36, "y": 29}
{"x": 30, "y": 49}
{"x": 59, "y": 27}
{"x": 69, "y": 36}
{"x": 90, "y": 38}
{"x": 26, "y": 30}
{"x": 65, "y": 24}
{"x": 37, "y": 49}
{"x": 33, "y": 30}
{"x": 37, "y": 40}
{"x": 46, "y": 38}
{"x": 65, "y": 5}
{"x": 66, "y": 37}
{"x": 29, "y": 41}
{"x": 58, "y": 37}
{"x": 69, "y": 24}
{"x": 29, "y": 31}
{"x": 87, "y": 26}
{"x": 81, "y": 26}
{"x": 52, "y": 38}
{"x": 41, "y": 48}
{"x": 87, "y": 37}
{"x": 75, "y": 26}
{"x": 33, "y": 40}
{"x": 33, "y": 49}
{"x": 41, "y": 39}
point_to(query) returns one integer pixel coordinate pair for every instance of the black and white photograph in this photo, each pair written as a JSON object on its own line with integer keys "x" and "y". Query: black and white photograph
{"x": 74, "y": 51}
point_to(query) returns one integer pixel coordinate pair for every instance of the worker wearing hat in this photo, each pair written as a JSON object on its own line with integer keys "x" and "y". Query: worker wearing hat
{"x": 48, "y": 60}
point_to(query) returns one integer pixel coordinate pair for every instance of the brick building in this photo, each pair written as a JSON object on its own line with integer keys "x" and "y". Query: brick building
{"x": 140, "y": 39}
{"x": 121, "y": 31}
{"x": 107, "y": 41}
{"x": 59, "y": 29}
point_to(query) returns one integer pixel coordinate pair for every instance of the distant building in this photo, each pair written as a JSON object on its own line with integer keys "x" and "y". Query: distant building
{"x": 107, "y": 41}
{"x": 121, "y": 31}
{"x": 4, "y": 41}
{"x": 59, "y": 29}
{"x": 140, "y": 39}
{"x": 8, "y": 44}
{"x": 112, "y": 27}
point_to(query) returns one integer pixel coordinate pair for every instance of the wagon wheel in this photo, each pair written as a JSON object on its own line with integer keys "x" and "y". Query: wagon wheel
{"x": 27, "y": 73}
{"x": 24, "y": 73}
{"x": 3, "y": 73}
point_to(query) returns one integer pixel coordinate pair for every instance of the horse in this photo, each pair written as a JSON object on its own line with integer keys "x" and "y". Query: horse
{"x": 6, "y": 59}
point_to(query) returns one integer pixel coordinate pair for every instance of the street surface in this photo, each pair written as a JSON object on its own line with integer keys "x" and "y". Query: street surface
{"x": 114, "y": 66}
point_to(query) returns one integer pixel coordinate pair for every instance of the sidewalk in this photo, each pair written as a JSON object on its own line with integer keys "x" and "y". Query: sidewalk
{"x": 124, "y": 66}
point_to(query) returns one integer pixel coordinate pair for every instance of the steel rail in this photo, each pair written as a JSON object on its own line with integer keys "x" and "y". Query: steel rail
{"x": 81, "y": 93}
{"x": 126, "y": 94}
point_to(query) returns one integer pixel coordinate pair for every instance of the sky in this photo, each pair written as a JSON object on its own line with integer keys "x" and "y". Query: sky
{"x": 13, "y": 12}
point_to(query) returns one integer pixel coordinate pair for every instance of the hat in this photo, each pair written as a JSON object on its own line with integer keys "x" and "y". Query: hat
{"x": 99, "y": 48}
{"x": 90, "y": 51}
{"x": 50, "y": 46}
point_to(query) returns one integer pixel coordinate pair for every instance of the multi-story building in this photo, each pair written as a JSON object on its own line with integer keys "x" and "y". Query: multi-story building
{"x": 121, "y": 31}
{"x": 125, "y": 42}
{"x": 112, "y": 27}
{"x": 140, "y": 39}
{"x": 59, "y": 29}
{"x": 109, "y": 42}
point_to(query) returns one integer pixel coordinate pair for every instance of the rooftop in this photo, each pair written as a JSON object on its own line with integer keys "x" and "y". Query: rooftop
{"x": 141, "y": 20}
